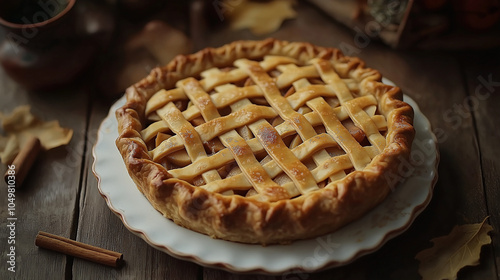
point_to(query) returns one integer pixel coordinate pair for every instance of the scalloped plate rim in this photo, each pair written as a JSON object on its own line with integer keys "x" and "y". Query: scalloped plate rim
{"x": 263, "y": 267}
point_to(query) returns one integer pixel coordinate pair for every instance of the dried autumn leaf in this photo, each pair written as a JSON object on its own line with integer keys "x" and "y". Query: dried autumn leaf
{"x": 261, "y": 17}
{"x": 20, "y": 125}
{"x": 462, "y": 247}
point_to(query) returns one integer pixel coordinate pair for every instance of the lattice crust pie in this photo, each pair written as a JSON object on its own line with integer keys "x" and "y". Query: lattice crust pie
{"x": 264, "y": 141}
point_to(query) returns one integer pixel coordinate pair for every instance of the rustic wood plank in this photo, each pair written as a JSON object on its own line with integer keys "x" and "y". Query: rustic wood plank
{"x": 48, "y": 197}
{"x": 433, "y": 79}
{"x": 459, "y": 194}
{"x": 467, "y": 191}
{"x": 99, "y": 226}
{"x": 482, "y": 75}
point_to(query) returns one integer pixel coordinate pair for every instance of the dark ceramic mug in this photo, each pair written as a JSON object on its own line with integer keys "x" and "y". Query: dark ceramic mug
{"x": 48, "y": 43}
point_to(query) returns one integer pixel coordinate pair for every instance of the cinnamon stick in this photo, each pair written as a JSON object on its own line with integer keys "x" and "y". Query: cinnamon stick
{"x": 78, "y": 249}
{"x": 23, "y": 161}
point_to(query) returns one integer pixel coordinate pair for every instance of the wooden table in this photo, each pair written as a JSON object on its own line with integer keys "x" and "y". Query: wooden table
{"x": 458, "y": 91}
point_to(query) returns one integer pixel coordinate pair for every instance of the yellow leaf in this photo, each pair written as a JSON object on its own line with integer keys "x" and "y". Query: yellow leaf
{"x": 261, "y": 18}
{"x": 20, "y": 125}
{"x": 462, "y": 247}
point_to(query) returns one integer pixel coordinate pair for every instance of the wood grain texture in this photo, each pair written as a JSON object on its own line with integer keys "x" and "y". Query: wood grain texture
{"x": 435, "y": 81}
{"x": 60, "y": 194}
{"x": 49, "y": 194}
{"x": 482, "y": 77}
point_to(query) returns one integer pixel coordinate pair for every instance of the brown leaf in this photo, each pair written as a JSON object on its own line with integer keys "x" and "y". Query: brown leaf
{"x": 261, "y": 17}
{"x": 462, "y": 247}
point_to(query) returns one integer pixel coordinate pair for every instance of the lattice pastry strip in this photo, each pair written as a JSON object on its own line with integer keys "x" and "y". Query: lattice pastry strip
{"x": 294, "y": 166}
{"x": 291, "y": 72}
{"x": 222, "y": 158}
{"x": 240, "y": 150}
{"x": 300, "y": 176}
{"x": 214, "y": 77}
{"x": 302, "y": 152}
{"x": 330, "y": 77}
{"x": 220, "y": 100}
{"x": 215, "y": 127}
{"x": 188, "y": 135}
{"x": 282, "y": 158}
{"x": 282, "y": 106}
{"x": 359, "y": 157}
{"x": 364, "y": 121}
{"x": 355, "y": 111}
{"x": 238, "y": 98}
{"x": 267, "y": 82}
{"x": 334, "y": 127}
{"x": 223, "y": 98}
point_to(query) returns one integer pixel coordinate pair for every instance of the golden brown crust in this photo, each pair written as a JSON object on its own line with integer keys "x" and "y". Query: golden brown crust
{"x": 244, "y": 219}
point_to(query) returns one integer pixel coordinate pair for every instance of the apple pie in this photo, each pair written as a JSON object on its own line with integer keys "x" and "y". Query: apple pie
{"x": 264, "y": 141}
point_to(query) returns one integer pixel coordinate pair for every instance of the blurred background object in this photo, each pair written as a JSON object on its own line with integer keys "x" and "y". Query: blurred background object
{"x": 48, "y": 43}
{"x": 425, "y": 24}
{"x": 154, "y": 45}
{"x": 149, "y": 38}
{"x": 260, "y": 17}
{"x": 137, "y": 9}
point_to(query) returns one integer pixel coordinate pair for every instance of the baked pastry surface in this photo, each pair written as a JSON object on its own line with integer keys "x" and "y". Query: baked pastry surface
{"x": 264, "y": 141}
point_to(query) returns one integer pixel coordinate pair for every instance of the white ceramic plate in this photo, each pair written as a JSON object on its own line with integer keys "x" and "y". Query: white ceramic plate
{"x": 364, "y": 236}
